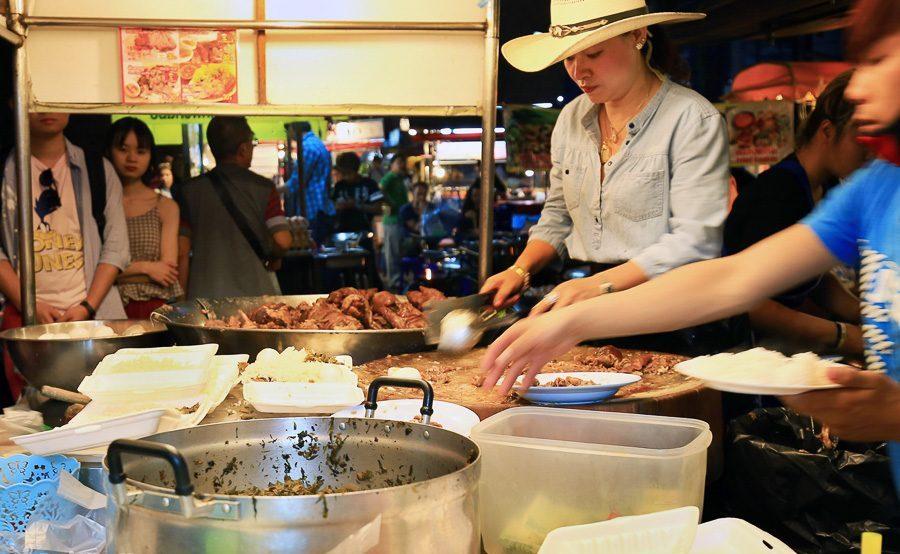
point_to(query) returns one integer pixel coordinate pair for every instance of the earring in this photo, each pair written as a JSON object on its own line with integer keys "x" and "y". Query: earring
{"x": 639, "y": 45}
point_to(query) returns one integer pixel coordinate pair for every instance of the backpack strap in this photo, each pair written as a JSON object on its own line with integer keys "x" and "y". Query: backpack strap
{"x": 97, "y": 181}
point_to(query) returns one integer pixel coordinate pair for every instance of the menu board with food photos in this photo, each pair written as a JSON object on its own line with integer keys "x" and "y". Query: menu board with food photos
{"x": 178, "y": 66}
{"x": 527, "y": 134}
{"x": 760, "y": 132}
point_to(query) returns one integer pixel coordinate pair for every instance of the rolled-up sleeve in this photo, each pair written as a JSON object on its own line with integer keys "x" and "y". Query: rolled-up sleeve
{"x": 115, "y": 250}
{"x": 555, "y": 224}
{"x": 698, "y": 196}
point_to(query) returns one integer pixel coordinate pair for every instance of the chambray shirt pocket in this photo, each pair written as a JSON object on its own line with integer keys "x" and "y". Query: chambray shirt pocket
{"x": 639, "y": 196}
{"x": 572, "y": 172}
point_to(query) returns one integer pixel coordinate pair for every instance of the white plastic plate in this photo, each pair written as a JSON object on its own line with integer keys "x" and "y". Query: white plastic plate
{"x": 450, "y": 416}
{"x": 711, "y": 380}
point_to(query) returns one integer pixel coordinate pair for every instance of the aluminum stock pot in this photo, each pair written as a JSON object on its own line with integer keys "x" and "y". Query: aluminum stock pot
{"x": 374, "y": 486}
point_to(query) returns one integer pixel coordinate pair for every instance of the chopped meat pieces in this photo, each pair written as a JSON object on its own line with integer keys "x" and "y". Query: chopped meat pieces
{"x": 433, "y": 423}
{"x": 423, "y": 296}
{"x": 607, "y": 356}
{"x": 400, "y": 314}
{"x": 568, "y": 382}
{"x": 347, "y": 308}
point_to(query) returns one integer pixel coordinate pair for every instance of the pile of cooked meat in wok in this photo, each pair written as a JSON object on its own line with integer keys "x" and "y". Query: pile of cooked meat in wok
{"x": 344, "y": 309}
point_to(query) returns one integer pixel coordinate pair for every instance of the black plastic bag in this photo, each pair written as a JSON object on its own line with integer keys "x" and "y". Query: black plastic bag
{"x": 780, "y": 477}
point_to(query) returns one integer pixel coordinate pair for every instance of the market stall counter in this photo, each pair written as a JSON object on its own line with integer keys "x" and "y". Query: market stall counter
{"x": 457, "y": 378}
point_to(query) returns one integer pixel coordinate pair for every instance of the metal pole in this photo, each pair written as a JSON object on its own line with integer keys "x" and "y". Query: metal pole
{"x": 488, "y": 123}
{"x": 251, "y": 24}
{"x": 23, "y": 170}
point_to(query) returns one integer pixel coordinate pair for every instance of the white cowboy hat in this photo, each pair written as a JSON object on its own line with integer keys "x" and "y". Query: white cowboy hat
{"x": 579, "y": 24}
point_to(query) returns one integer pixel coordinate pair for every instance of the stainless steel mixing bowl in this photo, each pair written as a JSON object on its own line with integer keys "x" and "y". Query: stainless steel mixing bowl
{"x": 63, "y": 363}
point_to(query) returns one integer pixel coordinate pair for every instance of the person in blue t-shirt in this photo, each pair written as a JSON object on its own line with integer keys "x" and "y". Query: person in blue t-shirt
{"x": 858, "y": 222}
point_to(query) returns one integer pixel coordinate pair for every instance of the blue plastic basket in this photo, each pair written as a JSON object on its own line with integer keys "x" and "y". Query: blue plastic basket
{"x": 28, "y": 487}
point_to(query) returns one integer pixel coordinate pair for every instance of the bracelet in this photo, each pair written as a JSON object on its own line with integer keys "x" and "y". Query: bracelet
{"x": 90, "y": 309}
{"x": 607, "y": 287}
{"x": 841, "y": 335}
{"x": 524, "y": 274}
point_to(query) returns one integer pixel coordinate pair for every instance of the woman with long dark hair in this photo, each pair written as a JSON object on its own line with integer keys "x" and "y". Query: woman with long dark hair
{"x": 151, "y": 279}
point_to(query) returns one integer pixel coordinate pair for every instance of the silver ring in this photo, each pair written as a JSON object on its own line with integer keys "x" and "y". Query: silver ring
{"x": 551, "y": 298}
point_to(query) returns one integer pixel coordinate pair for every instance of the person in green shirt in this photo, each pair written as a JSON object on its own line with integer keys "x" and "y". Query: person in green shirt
{"x": 396, "y": 194}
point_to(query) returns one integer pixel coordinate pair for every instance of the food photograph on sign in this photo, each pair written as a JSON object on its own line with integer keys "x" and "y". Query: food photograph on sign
{"x": 186, "y": 66}
{"x": 760, "y": 132}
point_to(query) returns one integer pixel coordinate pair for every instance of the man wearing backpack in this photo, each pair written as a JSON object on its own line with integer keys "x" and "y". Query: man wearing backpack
{"x": 80, "y": 235}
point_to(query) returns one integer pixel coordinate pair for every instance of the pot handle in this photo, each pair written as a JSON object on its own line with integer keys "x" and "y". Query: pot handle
{"x": 427, "y": 401}
{"x": 183, "y": 485}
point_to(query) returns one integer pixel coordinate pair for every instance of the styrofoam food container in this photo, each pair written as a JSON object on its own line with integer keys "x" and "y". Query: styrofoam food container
{"x": 598, "y": 465}
{"x": 667, "y": 532}
{"x": 69, "y": 439}
{"x": 301, "y": 398}
{"x": 166, "y": 358}
{"x": 735, "y": 536}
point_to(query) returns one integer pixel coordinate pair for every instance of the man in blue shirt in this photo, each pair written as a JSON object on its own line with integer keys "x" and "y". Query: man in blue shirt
{"x": 316, "y": 182}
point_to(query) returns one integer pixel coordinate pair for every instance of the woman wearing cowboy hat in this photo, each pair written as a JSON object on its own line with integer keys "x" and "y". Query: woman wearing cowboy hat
{"x": 639, "y": 183}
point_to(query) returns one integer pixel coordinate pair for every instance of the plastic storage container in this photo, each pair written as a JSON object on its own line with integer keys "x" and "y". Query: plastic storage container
{"x": 544, "y": 468}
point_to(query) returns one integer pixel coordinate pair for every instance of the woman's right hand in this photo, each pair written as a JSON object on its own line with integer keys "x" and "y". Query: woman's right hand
{"x": 507, "y": 286}
{"x": 164, "y": 273}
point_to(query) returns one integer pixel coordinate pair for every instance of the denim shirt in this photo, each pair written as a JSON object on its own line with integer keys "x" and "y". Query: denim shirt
{"x": 114, "y": 248}
{"x": 664, "y": 198}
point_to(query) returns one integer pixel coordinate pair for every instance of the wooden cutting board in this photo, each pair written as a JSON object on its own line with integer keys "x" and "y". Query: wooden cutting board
{"x": 455, "y": 378}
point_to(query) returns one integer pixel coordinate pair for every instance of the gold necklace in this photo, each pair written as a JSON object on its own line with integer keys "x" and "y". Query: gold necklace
{"x": 606, "y": 145}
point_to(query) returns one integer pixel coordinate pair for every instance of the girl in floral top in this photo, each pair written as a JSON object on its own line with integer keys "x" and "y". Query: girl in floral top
{"x": 151, "y": 279}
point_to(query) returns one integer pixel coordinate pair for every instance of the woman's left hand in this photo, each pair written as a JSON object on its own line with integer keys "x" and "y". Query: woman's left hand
{"x": 526, "y": 347}
{"x": 570, "y": 292}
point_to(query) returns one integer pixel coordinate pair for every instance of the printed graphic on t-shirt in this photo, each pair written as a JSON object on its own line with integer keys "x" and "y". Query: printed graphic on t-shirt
{"x": 57, "y": 252}
{"x": 879, "y": 287}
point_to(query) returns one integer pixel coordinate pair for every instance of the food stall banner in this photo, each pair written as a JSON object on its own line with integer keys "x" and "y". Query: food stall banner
{"x": 166, "y": 128}
{"x": 759, "y": 132}
{"x": 310, "y": 72}
{"x": 356, "y": 131}
{"x": 528, "y": 131}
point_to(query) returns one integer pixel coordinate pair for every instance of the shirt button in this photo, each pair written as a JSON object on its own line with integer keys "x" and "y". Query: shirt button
{"x": 609, "y": 164}
{"x": 631, "y": 125}
{"x": 567, "y": 172}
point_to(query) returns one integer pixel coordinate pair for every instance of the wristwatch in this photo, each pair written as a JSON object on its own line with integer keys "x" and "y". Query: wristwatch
{"x": 90, "y": 309}
{"x": 524, "y": 274}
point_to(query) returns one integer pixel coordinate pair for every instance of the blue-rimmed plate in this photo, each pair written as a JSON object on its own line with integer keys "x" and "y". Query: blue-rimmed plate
{"x": 603, "y": 385}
